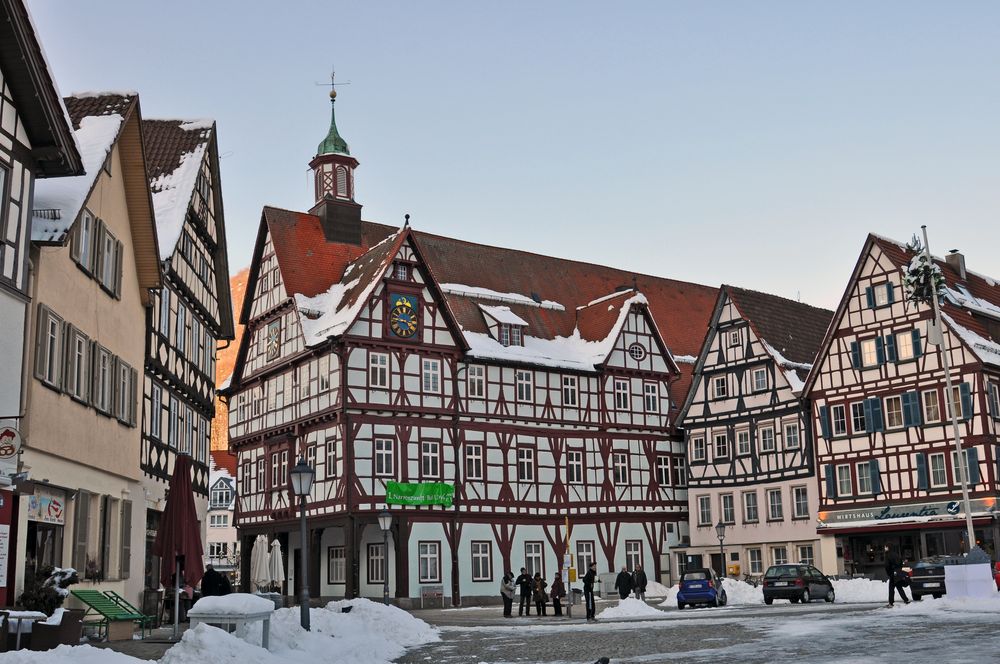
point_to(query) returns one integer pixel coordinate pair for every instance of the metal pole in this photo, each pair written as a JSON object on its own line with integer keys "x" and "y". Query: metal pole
{"x": 385, "y": 567}
{"x": 963, "y": 476}
{"x": 303, "y": 567}
{"x": 177, "y": 594}
{"x": 722, "y": 561}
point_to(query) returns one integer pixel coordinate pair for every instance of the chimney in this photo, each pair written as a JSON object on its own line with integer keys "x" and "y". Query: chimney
{"x": 957, "y": 262}
{"x": 340, "y": 220}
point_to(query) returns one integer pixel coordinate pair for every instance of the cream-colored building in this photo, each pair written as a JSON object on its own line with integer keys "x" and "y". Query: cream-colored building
{"x": 94, "y": 262}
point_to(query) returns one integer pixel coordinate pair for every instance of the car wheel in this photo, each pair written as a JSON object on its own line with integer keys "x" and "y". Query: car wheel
{"x": 805, "y": 597}
{"x": 680, "y": 606}
{"x": 831, "y": 597}
{"x": 917, "y": 598}
{"x": 716, "y": 602}
{"x": 936, "y": 595}
{"x": 768, "y": 600}
{"x": 725, "y": 598}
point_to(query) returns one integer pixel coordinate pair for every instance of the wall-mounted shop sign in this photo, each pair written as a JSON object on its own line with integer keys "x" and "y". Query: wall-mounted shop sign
{"x": 47, "y": 506}
{"x": 911, "y": 511}
{"x": 419, "y": 493}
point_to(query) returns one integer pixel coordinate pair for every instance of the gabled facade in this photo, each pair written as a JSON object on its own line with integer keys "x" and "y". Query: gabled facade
{"x": 191, "y": 313}
{"x": 749, "y": 439}
{"x": 36, "y": 142}
{"x": 222, "y": 544}
{"x": 94, "y": 265}
{"x": 378, "y": 354}
{"x": 885, "y": 456}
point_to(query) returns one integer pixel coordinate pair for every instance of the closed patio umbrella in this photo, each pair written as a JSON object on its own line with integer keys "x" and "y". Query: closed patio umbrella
{"x": 260, "y": 561}
{"x": 276, "y": 566}
{"x": 178, "y": 540}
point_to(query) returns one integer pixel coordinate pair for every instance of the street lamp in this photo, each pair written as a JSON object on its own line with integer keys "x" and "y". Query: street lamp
{"x": 720, "y": 532}
{"x": 302, "y": 481}
{"x": 385, "y": 523}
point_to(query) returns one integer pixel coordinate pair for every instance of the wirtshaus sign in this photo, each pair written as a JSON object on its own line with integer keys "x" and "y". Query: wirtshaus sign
{"x": 419, "y": 493}
{"x": 910, "y": 512}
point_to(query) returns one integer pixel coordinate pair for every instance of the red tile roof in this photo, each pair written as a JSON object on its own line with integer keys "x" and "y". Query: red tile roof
{"x": 223, "y": 460}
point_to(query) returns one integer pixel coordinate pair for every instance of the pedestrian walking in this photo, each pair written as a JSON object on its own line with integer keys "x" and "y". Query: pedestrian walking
{"x": 893, "y": 570}
{"x": 525, "y": 585}
{"x": 623, "y": 584}
{"x": 639, "y": 582}
{"x": 588, "y": 590}
{"x": 507, "y": 589}
{"x": 539, "y": 593}
{"x": 557, "y": 593}
{"x": 212, "y": 583}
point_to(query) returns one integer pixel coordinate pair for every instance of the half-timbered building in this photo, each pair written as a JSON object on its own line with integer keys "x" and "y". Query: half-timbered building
{"x": 221, "y": 542}
{"x": 888, "y": 472}
{"x": 749, "y": 439}
{"x": 190, "y": 313}
{"x": 540, "y": 389}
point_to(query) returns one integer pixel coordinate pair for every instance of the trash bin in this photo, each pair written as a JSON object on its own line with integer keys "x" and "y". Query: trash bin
{"x": 575, "y": 596}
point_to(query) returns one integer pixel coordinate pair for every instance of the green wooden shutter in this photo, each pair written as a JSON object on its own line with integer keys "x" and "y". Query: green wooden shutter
{"x": 890, "y": 293}
{"x": 890, "y": 348}
{"x": 81, "y": 528}
{"x": 870, "y": 296}
{"x": 855, "y": 355}
{"x": 126, "y": 550}
{"x": 880, "y": 350}
{"x": 922, "y": 482}
{"x": 118, "y": 268}
{"x": 133, "y": 399}
{"x": 917, "y": 348}
{"x": 831, "y": 482}
{"x": 965, "y": 392}
{"x": 105, "y": 537}
{"x": 912, "y": 416}
{"x": 973, "y": 456}
{"x": 877, "y": 423}
{"x": 824, "y": 421}
{"x": 876, "y": 477}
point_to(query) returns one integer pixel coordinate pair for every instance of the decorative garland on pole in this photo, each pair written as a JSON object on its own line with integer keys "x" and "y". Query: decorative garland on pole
{"x": 921, "y": 277}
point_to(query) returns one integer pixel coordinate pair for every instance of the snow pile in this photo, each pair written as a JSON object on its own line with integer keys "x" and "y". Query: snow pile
{"x": 234, "y": 603}
{"x": 71, "y": 655}
{"x": 857, "y": 591}
{"x": 630, "y": 607}
{"x": 654, "y": 589}
{"x": 211, "y": 644}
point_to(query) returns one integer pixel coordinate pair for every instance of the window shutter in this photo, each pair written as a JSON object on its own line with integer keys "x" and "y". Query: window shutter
{"x": 40, "y": 332}
{"x": 133, "y": 398}
{"x": 74, "y": 240}
{"x": 869, "y": 422}
{"x": 890, "y": 348}
{"x": 991, "y": 395}
{"x": 876, "y": 409}
{"x": 824, "y": 421}
{"x": 870, "y": 296}
{"x": 965, "y": 392}
{"x": 81, "y": 524}
{"x": 118, "y": 268}
{"x": 831, "y": 482}
{"x": 880, "y": 350}
{"x": 116, "y": 388}
{"x": 855, "y": 355}
{"x": 917, "y": 349}
{"x": 98, "y": 252}
{"x": 973, "y": 455}
{"x": 95, "y": 376}
{"x": 126, "y": 530}
{"x": 922, "y": 471}
{"x": 105, "y": 537}
{"x": 876, "y": 477}
{"x": 911, "y": 409}
{"x": 890, "y": 293}
{"x": 67, "y": 355}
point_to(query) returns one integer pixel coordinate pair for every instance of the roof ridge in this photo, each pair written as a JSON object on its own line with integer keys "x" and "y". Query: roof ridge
{"x": 797, "y": 303}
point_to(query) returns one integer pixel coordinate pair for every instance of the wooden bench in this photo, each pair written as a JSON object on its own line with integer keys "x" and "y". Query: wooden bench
{"x": 431, "y": 592}
{"x": 235, "y": 619}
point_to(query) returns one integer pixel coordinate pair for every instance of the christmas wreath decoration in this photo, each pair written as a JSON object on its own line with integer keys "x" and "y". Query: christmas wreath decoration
{"x": 921, "y": 277}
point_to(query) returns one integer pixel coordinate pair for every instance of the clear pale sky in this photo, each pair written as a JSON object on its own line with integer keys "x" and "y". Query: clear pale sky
{"x": 752, "y": 143}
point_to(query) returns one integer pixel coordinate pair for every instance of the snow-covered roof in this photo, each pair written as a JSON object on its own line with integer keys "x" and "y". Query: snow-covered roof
{"x": 66, "y": 196}
{"x": 502, "y": 315}
{"x": 986, "y": 350}
{"x": 496, "y": 296}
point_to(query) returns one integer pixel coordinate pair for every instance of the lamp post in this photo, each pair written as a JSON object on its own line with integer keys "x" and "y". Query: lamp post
{"x": 720, "y": 532}
{"x": 385, "y": 523}
{"x": 302, "y": 481}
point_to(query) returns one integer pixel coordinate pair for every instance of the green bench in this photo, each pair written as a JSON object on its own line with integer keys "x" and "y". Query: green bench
{"x": 102, "y": 610}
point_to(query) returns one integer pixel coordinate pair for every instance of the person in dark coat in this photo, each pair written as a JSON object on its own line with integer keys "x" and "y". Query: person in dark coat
{"x": 212, "y": 583}
{"x": 639, "y": 582}
{"x": 623, "y": 584}
{"x": 541, "y": 597}
{"x": 507, "y": 589}
{"x": 893, "y": 568}
{"x": 525, "y": 585}
{"x": 557, "y": 593}
{"x": 588, "y": 590}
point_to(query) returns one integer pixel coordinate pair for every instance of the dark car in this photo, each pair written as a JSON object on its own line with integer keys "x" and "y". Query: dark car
{"x": 927, "y": 576}
{"x": 996, "y": 575}
{"x": 700, "y": 586}
{"x": 796, "y": 583}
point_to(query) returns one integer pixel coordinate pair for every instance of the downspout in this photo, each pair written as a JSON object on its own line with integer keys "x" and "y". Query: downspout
{"x": 456, "y": 594}
{"x": 27, "y": 352}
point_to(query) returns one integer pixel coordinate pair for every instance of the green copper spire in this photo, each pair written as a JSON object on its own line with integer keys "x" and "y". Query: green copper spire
{"x": 333, "y": 143}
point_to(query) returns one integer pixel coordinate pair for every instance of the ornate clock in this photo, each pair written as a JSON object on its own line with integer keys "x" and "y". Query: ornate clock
{"x": 403, "y": 311}
{"x": 273, "y": 340}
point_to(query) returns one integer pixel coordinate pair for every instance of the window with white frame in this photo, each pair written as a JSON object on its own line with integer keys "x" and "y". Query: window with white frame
{"x": 187, "y": 443}
{"x": 473, "y": 461}
{"x": 651, "y": 397}
{"x": 633, "y": 554}
{"x": 838, "y": 420}
{"x": 180, "y": 329}
{"x": 721, "y": 446}
{"x": 477, "y": 381}
{"x": 48, "y": 361}
{"x": 525, "y": 382}
{"x": 750, "y": 512}
{"x": 756, "y": 562}
{"x": 956, "y": 398}
{"x": 385, "y": 458}
{"x": 570, "y": 390}
{"x": 110, "y": 261}
{"x": 864, "y": 473}
{"x": 964, "y": 470}
{"x": 431, "y": 375}
{"x": 858, "y": 417}
{"x": 619, "y": 462}
{"x": 806, "y": 554}
{"x": 378, "y": 370}
{"x": 429, "y": 562}
{"x": 728, "y": 507}
{"x": 401, "y": 272}
{"x": 430, "y": 458}
{"x": 77, "y": 380}
{"x": 173, "y": 422}
{"x": 218, "y": 520}
{"x": 197, "y": 340}
{"x": 779, "y": 555}
{"x": 584, "y": 555}
{"x": 376, "y": 563}
{"x": 792, "y": 436}
{"x": 767, "y": 439}
{"x": 680, "y": 471}
{"x": 503, "y": 333}
{"x": 800, "y": 502}
{"x": 663, "y": 470}
{"x": 336, "y": 569}
{"x": 869, "y": 353}
{"x": 719, "y": 387}
{"x": 880, "y": 294}
{"x": 482, "y": 561}
{"x": 155, "y": 410}
{"x": 218, "y": 549}
{"x": 105, "y": 377}
{"x": 124, "y": 392}
{"x": 516, "y": 335}
{"x": 525, "y": 464}
{"x": 844, "y": 483}
{"x": 85, "y": 240}
{"x": 574, "y": 466}
{"x": 533, "y": 560}
{"x": 904, "y": 345}
{"x": 743, "y": 442}
{"x": 775, "y": 509}
{"x": 221, "y": 496}
{"x": 938, "y": 474}
{"x": 698, "y": 451}
{"x": 704, "y": 510}
{"x": 165, "y": 312}
{"x": 621, "y": 394}
{"x": 894, "y": 412}
{"x": 759, "y": 379}
{"x": 932, "y": 408}
{"x": 734, "y": 338}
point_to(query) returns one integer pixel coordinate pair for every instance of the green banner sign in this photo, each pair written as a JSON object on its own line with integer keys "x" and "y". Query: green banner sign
{"x": 419, "y": 493}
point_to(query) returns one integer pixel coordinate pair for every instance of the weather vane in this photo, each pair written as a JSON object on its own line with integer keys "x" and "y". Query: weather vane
{"x": 333, "y": 83}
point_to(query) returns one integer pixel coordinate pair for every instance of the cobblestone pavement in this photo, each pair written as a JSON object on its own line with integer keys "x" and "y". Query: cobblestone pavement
{"x": 750, "y": 635}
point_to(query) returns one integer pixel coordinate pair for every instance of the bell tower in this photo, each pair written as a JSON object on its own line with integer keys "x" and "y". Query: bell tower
{"x": 333, "y": 176}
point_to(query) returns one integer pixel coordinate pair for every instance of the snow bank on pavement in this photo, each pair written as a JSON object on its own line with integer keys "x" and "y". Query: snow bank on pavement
{"x": 848, "y": 591}
{"x": 630, "y": 607}
{"x": 654, "y": 589}
{"x": 211, "y": 644}
{"x": 70, "y": 655}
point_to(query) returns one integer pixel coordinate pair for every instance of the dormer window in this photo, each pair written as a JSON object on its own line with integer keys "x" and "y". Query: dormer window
{"x": 504, "y": 325}
{"x": 515, "y": 335}
{"x": 509, "y": 334}
{"x": 401, "y": 272}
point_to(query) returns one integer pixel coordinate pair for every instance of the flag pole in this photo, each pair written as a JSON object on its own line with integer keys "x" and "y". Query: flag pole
{"x": 963, "y": 472}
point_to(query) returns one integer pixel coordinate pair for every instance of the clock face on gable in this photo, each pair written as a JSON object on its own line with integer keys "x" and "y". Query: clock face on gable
{"x": 403, "y": 315}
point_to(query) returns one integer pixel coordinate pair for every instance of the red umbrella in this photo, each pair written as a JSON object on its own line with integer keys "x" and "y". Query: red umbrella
{"x": 178, "y": 540}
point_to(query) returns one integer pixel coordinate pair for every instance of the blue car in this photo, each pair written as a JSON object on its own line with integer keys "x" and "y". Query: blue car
{"x": 700, "y": 586}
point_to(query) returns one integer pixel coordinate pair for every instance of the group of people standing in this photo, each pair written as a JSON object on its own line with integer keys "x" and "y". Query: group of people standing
{"x": 532, "y": 590}
{"x": 627, "y": 582}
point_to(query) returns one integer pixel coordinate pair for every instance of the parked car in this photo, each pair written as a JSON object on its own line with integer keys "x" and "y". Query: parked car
{"x": 700, "y": 586}
{"x": 996, "y": 574}
{"x": 927, "y": 576}
{"x": 796, "y": 583}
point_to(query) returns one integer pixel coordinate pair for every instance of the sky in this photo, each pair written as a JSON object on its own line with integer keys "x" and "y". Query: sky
{"x": 749, "y": 143}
